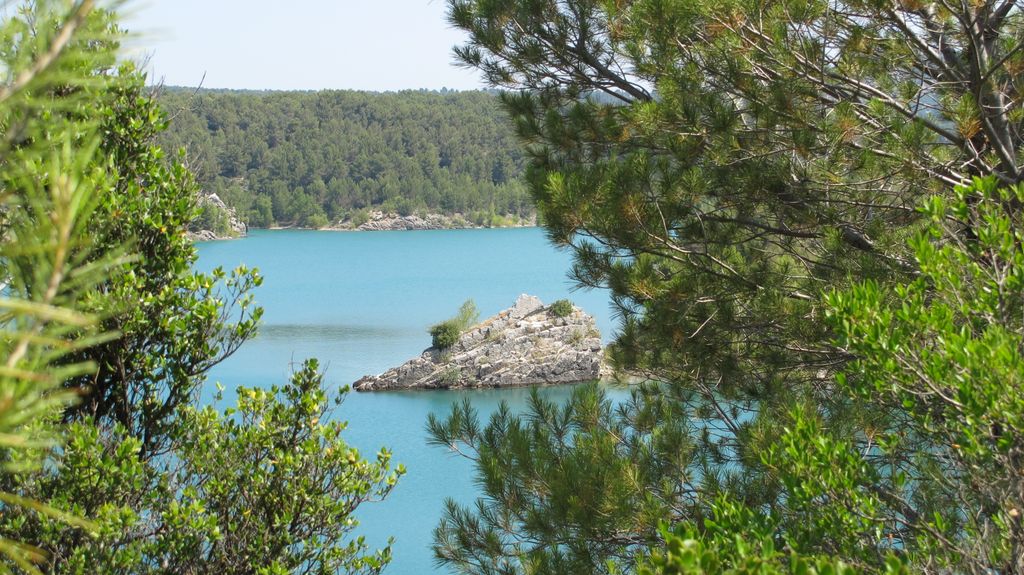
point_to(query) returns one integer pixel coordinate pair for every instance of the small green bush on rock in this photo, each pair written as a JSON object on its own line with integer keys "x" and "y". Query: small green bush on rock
{"x": 451, "y": 376}
{"x": 561, "y": 308}
{"x": 359, "y": 217}
{"x": 467, "y": 316}
{"x": 445, "y": 334}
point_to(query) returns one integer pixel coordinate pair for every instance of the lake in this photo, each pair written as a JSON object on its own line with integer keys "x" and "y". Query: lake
{"x": 361, "y": 302}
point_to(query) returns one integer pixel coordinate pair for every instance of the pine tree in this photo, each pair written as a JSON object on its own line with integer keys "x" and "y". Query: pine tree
{"x": 718, "y": 166}
{"x": 51, "y": 189}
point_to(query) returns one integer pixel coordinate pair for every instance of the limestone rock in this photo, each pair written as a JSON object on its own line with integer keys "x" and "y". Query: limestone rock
{"x": 203, "y": 236}
{"x": 380, "y": 221}
{"x": 524, "y": 345}
{"x": 236, "y": 228}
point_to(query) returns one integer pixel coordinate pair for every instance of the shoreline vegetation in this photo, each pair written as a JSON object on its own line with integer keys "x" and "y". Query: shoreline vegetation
{"x": 380, "y": 222}
{"x": 317, "y": 159}
{"x": 807, "y": 217}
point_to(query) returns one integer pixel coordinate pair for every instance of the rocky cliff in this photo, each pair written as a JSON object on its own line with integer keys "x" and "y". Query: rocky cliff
{"x": 380, "y": 221}
{"x": 216, "y": 221}
{"x": 526, "y": 344}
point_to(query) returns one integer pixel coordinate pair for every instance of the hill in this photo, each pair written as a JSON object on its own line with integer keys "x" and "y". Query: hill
{"x": 315, "y": 158}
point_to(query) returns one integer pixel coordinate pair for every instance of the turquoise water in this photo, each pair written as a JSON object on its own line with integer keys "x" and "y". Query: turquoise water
{"x": 361, "y": 303}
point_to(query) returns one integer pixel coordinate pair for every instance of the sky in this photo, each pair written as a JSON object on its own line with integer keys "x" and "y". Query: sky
{"x": 380, "y": 45}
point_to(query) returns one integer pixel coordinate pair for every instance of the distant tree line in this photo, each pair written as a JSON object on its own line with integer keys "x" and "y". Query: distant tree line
{"x": 313, "y": 158}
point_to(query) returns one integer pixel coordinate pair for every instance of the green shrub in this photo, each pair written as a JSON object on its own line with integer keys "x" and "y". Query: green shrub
{"x": 401, "y": 206}
{"x": 499, "y": 221}
{"x": 561, "y": 308}
{"x": 317, "y": 221}
{"x": 451, "y": 376}
{"x": 445, "y": 334}
{"x": 467, "y": 316}
{"x": 261, "y": 213}
{"x": 359, "y": 217}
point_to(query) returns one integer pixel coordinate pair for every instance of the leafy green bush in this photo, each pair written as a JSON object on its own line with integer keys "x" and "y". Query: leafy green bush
{"x": 404, "y": 207}
{"x": 688, "y": 551}
{"x": 500, "y": 221}
{"x": 445, "y": 334}
{"x": 317, "y": 221}
{"x": 561, "y": 308}
{"x": 943, "y": 351}
{"x": 261, "y": 214}
{"x": 275, "y": 453}
{"x": 93, "y": 257}
{"x": 359, "y": 217}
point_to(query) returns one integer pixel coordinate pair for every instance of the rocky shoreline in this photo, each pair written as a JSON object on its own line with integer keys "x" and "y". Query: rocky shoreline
{"x": 527, "y": 344}
{"x": 231, "y": 225}
{"x": 379, "y": 221}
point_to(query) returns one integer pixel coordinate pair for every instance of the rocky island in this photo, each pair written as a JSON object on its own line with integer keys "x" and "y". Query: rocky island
{"x": 527, "y": 344}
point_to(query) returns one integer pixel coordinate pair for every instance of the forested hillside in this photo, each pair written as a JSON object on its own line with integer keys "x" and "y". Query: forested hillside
{"x": 314, "y": 158}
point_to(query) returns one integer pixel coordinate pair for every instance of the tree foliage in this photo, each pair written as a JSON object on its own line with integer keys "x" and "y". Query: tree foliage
{"x": 719, "y": 166}
{"x": 299, "y": 158}
{"x": 49, "y": 191}
{"x": 721, "y": 550}
{"x": 174, "y": 323}
{"x": 935, "y": 485}
{"x": 943, "y": 354}
{"x": 268, "y": 486}
{"x": 445, "y": 334}
{"x": 561, "y": 308}
{"x": 108, "y": 335}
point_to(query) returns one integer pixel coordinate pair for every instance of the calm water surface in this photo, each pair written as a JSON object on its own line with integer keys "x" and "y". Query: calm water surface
{"x": 361, "y": 303}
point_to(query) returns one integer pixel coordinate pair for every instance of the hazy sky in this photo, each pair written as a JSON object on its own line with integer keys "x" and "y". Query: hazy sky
{"x": 298, "y": 44}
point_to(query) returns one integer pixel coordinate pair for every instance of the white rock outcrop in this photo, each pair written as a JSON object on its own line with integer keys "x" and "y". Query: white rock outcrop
{"x": 236, "y": 227}
{"x": 527, "y": 344}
